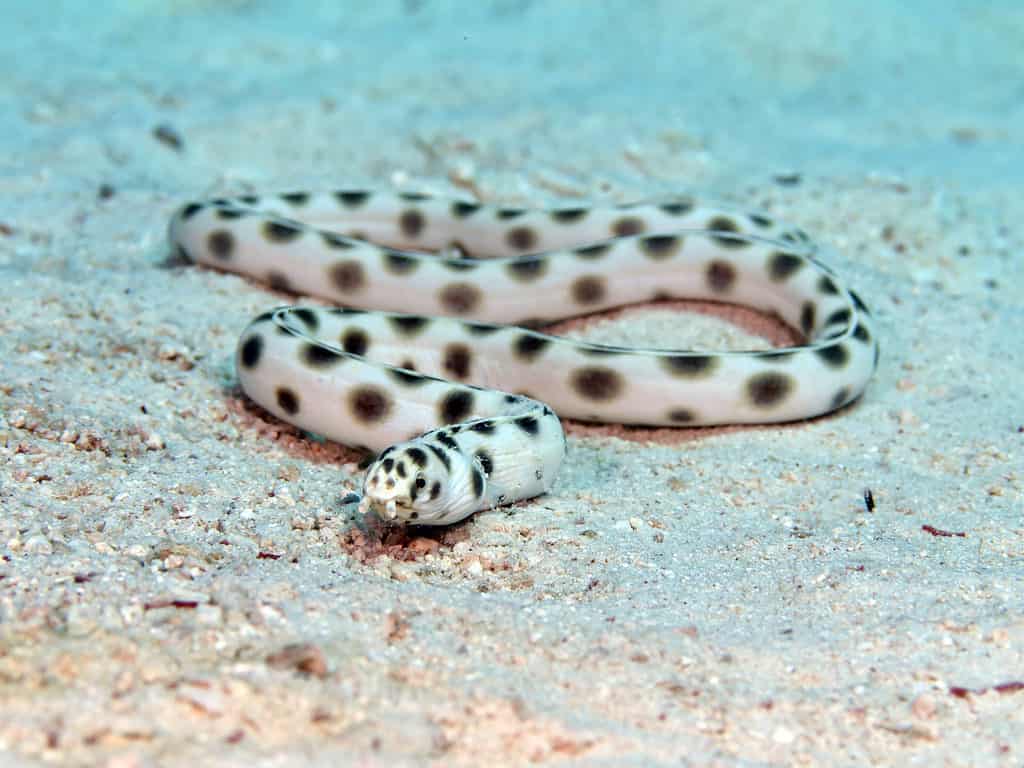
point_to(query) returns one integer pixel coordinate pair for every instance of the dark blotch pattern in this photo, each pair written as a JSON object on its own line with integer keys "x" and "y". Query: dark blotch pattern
{"x": 355, "y": 341}
{"x": 462, "y": 210}
{"x": 839, "y": 316}
{"x": 251, "y": 351}
{"x": 287, "y": 330}
{"x": 280, "y": 232}
{"x": 417, "y": 457}
{"x": 521, "y": 238}
{"x": 446, "y": 440}
{"x": 278, "y": 281}
{"x": 682, "y": 416}
{"x": 840, "y": 398}
{"x": 368, "y": 404}
{"x": 336, "y": 242}
{"x": 485, "y": 427}
{"x": 459, "y": 264}
{"x": 677, "y": 207}
{"x": 398, "y": 263}
{"x": 527, "y": 269}
{"x": 593, "y": 252}
{"x": 457, "y": 405}
{"x": 808, "y": 314}
{"x": 597, "y": 383}
{"x": 627, "y": 226}
{"x": 411, "y": 222}
{"x": 659, "y": 247}
{"x": 457, "y": 360}
{"x": 589, "y": 289}
{"x": 347, "y": 276}
{"x": 827, "y": 286}
{"x": 287, "y": 400}
{"x": 782, "y": 265}
{"x": 352, "y": 199}
{"x": 481, "y": 329}
{"x": 408, "y": 325}
{"x": 721, "y": 276}
{"x": 689, "y": 366}
{"x": 767, "y": 390}
{"x": 307, "y": 317}
{"x": 460, "y": 298}
{"x": 725, "y": 232}
{"x": 478, "y": 482}
{"x": 568, "y": 215}
{"x": 529, "y": 347}
{"x": 486, "y": 462}
{"x": 528, "y": 424}
{"x": 296, "y": 198}
{"x": 319, "y": 356}
{"x": 407, "y": 378}
{"x": 221, "y": 244}
{"x": 834, "y": 355}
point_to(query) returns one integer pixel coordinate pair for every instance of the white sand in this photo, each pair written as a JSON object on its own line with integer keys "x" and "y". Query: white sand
{"x": 722, "y": 599}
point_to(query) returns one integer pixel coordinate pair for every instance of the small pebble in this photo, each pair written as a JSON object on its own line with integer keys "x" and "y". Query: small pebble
{"x": 907, "y": 418}
{"x": 400, "y": 571}
{"x": 140, "y": 551}
{"x": 303, "y": 522}
{"x": 127, "y": 760}
{"x": 783, "y": 735}
{"x": 422, "y": 545}
{"x": 169, "y": 137}
{"x": 38, "y": 545}
{"x": 302, "y": 657}
{"x": 171, "y": 562}
{"x": 923, "y": 707}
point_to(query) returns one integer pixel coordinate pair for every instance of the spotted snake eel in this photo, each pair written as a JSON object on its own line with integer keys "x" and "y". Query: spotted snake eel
{"x": 431, "y": 359}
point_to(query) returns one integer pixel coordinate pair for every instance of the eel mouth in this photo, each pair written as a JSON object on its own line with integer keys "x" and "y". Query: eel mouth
{"x": 394, "y": 509}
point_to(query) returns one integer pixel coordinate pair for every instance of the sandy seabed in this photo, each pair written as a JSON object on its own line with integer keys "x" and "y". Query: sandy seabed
{"x": 179, "y": 583}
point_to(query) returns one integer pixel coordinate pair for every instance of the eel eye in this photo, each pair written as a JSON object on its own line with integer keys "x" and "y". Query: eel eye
{"x": 421, "y": 482}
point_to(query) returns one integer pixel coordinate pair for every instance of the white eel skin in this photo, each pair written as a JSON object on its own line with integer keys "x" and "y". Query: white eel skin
{"x": 462, "y": 409}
